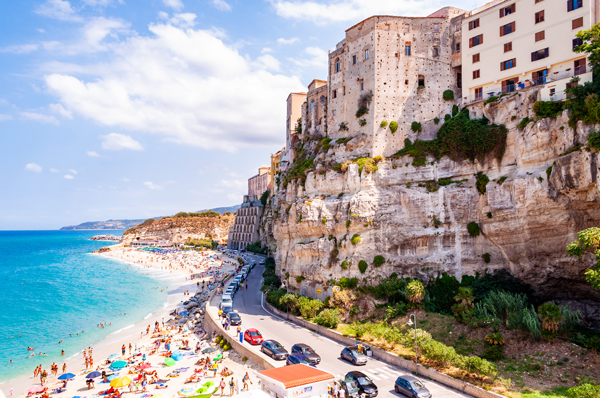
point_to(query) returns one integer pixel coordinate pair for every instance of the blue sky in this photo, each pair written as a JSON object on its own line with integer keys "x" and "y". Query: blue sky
{"x": 114, "y": 109}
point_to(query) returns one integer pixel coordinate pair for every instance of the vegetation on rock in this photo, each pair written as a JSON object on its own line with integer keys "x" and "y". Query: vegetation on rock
{"x": 481, "y": 182}
{"x": 355, "y": 239}
{"x": 588, "y": 240}
{"x": 448, "y": 95}
{"x": 378, "y": 261}
{"x": 416, "y": 127}
{"x": 393, "y": 126}
{"x": 473, "y": 229}
{"x": 383, "y": 123}
{"x": 362, "y": 266}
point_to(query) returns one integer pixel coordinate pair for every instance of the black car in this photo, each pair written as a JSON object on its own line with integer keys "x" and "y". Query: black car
{"x": 352, "y": 354}
{"x": 365, "y": 384}
{"x": 234, "y": 318}
{"x": 294, "y": 359}
{"x": 306, "y": 350}
{"x": 273, "y": 349}
{"x": 411, "y": 387}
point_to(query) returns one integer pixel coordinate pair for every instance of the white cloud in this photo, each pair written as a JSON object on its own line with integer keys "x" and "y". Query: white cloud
{"x": 125, "y": 179}
{"x": 234, "y": 183}
{"x": 72, "y": 171}
{"x": 174, "y": 4}
{"x": 151, "y": 185}
{"x": 54, "y": 171}
{"x": 58, "y": 9}
{"x": 58, "y": 108}
{"x": 267, "y": 62}
{"x": 93, "y": 154}
{"x": 183, "y": 20}
{"x": 101, "y": 3}
{"x": 115, "y": 142}
{"x": 266, "y": 50}
{"x": 162, "y": 84}
{"x": 20, "y": 48}
{"x": 281, "y": 40}
{"x": 68, "y": 177}
{"x": 221, "y": 5}
{"x": 322, "y": 12}
{"x": 36, "y": 168}
{"x": 5, "y": 117}
{"x": 317, "y": 58}
{"x": 38, "y": 117}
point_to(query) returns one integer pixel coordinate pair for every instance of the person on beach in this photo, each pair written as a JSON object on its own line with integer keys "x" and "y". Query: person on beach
{"x": 222, "y": 385}
{"x": 231, "y": 387}
{"x": 245, "y": 380}
{"x": 123, "y": 350}
{"x": 65, "y": 367}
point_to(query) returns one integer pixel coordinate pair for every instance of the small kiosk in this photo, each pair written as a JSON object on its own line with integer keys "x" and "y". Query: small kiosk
{"x": 295, "y": 381}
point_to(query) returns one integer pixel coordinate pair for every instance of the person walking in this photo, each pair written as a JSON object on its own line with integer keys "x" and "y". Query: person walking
{"x": 231, "y": 387}
{"x": 123, "y": 350}
{"x": 222, "y": 385}
{"x": 245, "y": 380}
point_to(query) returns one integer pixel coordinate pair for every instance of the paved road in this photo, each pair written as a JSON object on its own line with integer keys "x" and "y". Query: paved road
{"x": 248, "y": 302}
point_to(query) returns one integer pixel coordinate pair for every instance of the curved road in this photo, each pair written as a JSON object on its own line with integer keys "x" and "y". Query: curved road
{"x": 248, "y": 303}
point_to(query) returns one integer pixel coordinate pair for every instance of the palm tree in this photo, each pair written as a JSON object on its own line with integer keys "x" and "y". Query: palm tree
{"x": 415, "y": 291}
{"x": 465, "y": 297}
{"x": 551, "y": 315}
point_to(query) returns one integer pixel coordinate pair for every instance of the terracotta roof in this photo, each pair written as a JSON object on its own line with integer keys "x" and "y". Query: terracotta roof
{"x": 296, "y": 375}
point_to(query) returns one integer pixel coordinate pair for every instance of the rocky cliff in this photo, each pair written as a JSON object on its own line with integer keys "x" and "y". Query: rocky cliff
{"x": 542, "y": 192}
{"x": 180, "y": 229}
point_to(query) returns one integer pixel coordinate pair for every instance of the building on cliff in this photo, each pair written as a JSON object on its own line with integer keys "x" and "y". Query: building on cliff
{"x": 245, "y": 227}
{"x": 275, "y": 168}
{"x": 294, "y": 114}
{"x": 314, "y": 110}
{"x": 510, "y": 45}
{"x": 259, "y": 183}
{"x": 400, "y": 65}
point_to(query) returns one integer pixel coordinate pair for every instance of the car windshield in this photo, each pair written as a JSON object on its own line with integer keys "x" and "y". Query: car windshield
{"x": 226, "y": 300}
{"x": 357, "y": 354}
{"x": 365, "y": 380}
{"x": 417, "y": 384}
{"x": 254, "y": 334}
{"x": 233, "y": 315}
{"x": 226, "y": 308}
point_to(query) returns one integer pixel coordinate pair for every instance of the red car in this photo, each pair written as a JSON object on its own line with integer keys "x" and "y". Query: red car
{"x": 253, "y": 336}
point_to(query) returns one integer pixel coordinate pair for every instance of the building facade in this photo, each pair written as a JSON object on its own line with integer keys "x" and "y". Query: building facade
{"x": 259, "y": 183}
{"x": 276, "y": 168}
{"x": 399, "y": 67}
{"x": 516, "y": 44}
{"x": 314, "y": 110}
{"x": 245, "y": 226}
{"x": 294, "y": 114}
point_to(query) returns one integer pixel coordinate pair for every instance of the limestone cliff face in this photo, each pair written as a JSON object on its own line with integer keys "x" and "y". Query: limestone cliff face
{"x": 179, "y": 229}
{"x": 527, "y": 217}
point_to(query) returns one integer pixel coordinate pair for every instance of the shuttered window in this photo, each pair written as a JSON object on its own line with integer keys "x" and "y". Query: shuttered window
{"x": 475, "y": 41}
{"x": 474, "y": 24}
{"x": 508, "y": 46}
{"x": 509, "y": 64}
{"x": 476, "y": 74}
{"x": 511, "y": 9}
{"x": 574, "y": 5}
{"x": 578, "y": 23}
{"x": 539, "y": 16}
{"x": 540, "y": 35}
{"x": 540, "y": 54}
{"x": 507, "y": 29}
{"x": 476, "y": 58}
{"x": 577, "y": 42}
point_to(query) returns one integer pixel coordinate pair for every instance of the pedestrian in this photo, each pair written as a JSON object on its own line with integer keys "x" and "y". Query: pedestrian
{"x": 64, "y": 368}
{"x": 335, "y": 390}
{"x": 231, "y": 387}
{"x": 222, "y": 385}
{"x": 123, "y": 350}
{"x": 245, "y": 380}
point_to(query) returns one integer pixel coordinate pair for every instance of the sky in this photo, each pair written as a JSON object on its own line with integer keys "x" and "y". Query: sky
{"x": 124, "y": 109}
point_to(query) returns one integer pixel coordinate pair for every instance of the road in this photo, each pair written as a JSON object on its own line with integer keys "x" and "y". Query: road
{"x": 248, "y": 303}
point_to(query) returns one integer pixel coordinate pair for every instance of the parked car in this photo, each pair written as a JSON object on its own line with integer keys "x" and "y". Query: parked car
{"x": 352, "y": 354}
{"x": 234, "y": 318}
{"x": 253, "y": 336}
{"x": 295, "y": 359}
{"x": 225, "y": 300}
{"x": 350, "y": 387}
{"x": 411, "y": 387}
{"x": 274, "y": 349}
{"x": 365, "y": 384}
{"x": 226, "y": 308}
{"x": 305, "y": 349}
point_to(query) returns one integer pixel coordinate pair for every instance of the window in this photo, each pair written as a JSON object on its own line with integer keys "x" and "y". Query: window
{"x": 354, "y": 60}
{"x": 540, "y": 54}
{"x": 421, "y": 81}
{"x": 475, "y": 41}
{"x": 507, "y": 29}
{"x": 508, "y": 10}
{"x": 407, "y": 48}
{"x": 476, "y": 74}
{"x": 367, "y": 53}
{"x": 406, "y": 28}
{"x": 334, "y": 112}
{"x": 436, "y": 51}
{"x": 387, "y": 26}
{"x": 406, "y": 82}
{"x": 312, "y": 106}
{"x": 457, "y": 47}
{"x": 574, "y": 4}
{"x": 539, "y": 77}
{"x": 362, "y": 85}
{"x": 476, "y": 58}
{"x": 577, "y": 42}
{"x": 579, "y": 65}
{"x": 539, "y": 16}
{"x": 474, "y": 24}
{"x": 436, "y": 27}
{"x": 577, "y": 23}
{"x": 337, "y": 65}
{"x": 479, "y": 93}
{"x": 459, "y": 80}
{"x": 334, "y": 94}
{"x": 322, "y": 99}
{"x": 343, "y": 90}
{"x": 508, "y": 46}
{"x": 511, "y": 63}
{"x": 457, "y": 27}
{"x": 540, "y": 35}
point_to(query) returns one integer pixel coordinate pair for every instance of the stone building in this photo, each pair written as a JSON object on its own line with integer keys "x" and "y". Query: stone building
{"x": 259, "y": 183}
{"x": 399, "y": 67}
{"x": 294, "y": 113}
{"x": 245, "y": 227}
{"x": 275, "y": 168}
{"x": 314, "y": 110}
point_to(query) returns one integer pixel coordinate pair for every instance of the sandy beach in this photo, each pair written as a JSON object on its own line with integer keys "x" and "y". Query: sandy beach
{"x": 175, "y": 270}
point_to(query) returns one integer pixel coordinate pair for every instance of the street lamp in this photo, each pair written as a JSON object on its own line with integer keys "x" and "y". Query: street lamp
{"x": 410, "y": 323}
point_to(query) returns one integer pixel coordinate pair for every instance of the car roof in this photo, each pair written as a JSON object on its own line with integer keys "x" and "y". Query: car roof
{"x": 408, "y": 378}
{"x": 251, "y": 330}
{"x": 351, "y": 347}
{"x": 302, "y": 345}
{"x": 357, "y": 373}
{"x": 232, "y": 312}
{"x": 272, "y": 341}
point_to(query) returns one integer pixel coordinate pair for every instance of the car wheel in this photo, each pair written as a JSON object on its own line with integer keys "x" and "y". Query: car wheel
{"x": 354, "y": 361}
{"x": 396, "y": 389}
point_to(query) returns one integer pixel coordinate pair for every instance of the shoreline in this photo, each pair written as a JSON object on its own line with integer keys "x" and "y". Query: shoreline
{"x": 176, "y": 280}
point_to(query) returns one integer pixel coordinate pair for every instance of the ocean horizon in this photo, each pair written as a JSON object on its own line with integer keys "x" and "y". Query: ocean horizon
{"x": 52, "y": 288}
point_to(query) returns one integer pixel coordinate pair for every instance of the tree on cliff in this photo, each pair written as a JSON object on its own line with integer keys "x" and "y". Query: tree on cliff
{"x": 590, "y": 45}
{"x": 588, "y": 240}
{"x": 264, "y": 197}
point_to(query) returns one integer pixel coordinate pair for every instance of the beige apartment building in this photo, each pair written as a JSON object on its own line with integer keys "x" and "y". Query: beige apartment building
{"x": 294, "y": 113}
{"x": 245, "y": 226}
{"x": 314, "y": 110}
{"x": 259, "y": 183}
{"x": 512, "y": 45}
{"x": 406, "y": 63}
{"x": 275, "y": 168}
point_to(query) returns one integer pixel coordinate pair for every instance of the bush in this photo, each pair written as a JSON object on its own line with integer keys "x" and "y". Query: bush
{"x": 416, "y": 127}
{"x": 493, "y": 353}
{"x": 436, "y": 120}
{"x": 551, "y": 315}
{"x": 324, "y": 220}
{"x": 447, "y": 117}
{"x": 482, "y": 181}
{"x": 378, "y": 261}
{"x": 383, "y": 124}
{"x": 348, "y": 222}
{"x": 494, "y": 339}
{"x": 489, "y": 214}
{"x": 348, "y": 283}
{"x": 415, "y": 291}
{"x": 524, "y": 122}
{"x": 393, "y": 126}
{"x": 264, "y": 197}
{"x": 147, "y": 222}
{"x": 455, "y": 110}
{"x": 300, "y": 278}
{"x": 326, "y": 143}
{"x": 329, "y": 318}
{"x": 474, "y": 230}
{"x": 355, "y": 239}
{"x": 442, "y": 291}
{"x": 544, "y": 109}
{"x": 256, "y": 247}
{"x": 584, "y": 391}
{"x": 343, "y": 126}
{"x": 309, "y": 308}
{"x": 448, "y": 95}
{"x": 362, "y": 266}
{"x": 362, "y": 122}
{"x": 486, "y": 257}
{"x": 344, "y": 264}
{"x": 363, "y": 110}
{"x": 593, "y": 139}
{"x": 369, "y": 164}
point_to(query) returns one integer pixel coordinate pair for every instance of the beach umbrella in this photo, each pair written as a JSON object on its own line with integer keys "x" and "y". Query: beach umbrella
{"x": 93, "y": 375}
{"x": 112, "y": 377}
{"x": 169, "y": 361}
{"x": 35, "y": 389}
{"x": 208, "y": 350}
{"x": 187, "y": 391}
{"x": 176, "y": 355}
{"x": 120, "y": 382}
{"x": 111, "y": 356}
{"x": 66, "y": 376}
{"x": 145, "y": 366}
{"x": 118, "y": 364}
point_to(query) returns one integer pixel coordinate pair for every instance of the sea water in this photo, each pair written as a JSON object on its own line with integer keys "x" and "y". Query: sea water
{"x": 52, "y": 288}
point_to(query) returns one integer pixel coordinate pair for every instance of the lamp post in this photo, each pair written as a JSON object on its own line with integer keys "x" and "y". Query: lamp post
{"x": 410, "y": 323}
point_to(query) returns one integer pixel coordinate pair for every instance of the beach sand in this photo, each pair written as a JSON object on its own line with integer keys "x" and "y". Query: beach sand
{"x": 176, "y": 271}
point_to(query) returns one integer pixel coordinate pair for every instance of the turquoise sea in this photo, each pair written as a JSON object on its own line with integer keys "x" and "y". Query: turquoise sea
{"x": 52, "y": 287}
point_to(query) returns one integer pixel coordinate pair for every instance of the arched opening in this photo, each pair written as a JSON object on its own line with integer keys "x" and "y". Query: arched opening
{"x": 322, "y": 98}
{"x": 312, "y": 106}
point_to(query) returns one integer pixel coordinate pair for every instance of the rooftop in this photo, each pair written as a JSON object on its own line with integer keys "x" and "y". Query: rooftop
{"x": 296, "y": 375}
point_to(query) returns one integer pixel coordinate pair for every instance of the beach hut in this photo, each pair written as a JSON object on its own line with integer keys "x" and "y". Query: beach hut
{"x": 295, "y": 381}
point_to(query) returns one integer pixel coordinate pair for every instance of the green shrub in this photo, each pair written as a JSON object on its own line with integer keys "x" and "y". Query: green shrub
{"x": 396, "y": 310}
{"x": 493, "y": 353}
{"x": 355, "y": 239}
{"x": 369, "y": 164}
{"x": 344, "y": 264}
{"x": 383, "y": 124}
{"x": 348, "y": 283}
{"x": 256, "y": 247}
{"x": 442, "y": 291}
{"x": 436, "y": 120}
{"x": 343, "y": 126}
{"x": 544, "y": 109}
{"x": 489, "y": 214}
{"x": 393, "y": 126}
{"x": 408, "y": 185}
{"x": 474, "y": 230}
{"x": 362, "y": 122}
{"x": 486, "y": 257}
{"x": 324, "y": 220}
{"x": 448, "y": 95}
{"x": 363, "y": 110}
{"x": 482, "y": 181}
{"x": 501, "y": 180}
{"x": 432, "y": 186}
{"x": 584, "y": 391}
{"x": 455, "y": 110}
{"x": 348, "y": 222}
{"x": 299, "y": 219}
{"x": 416, "y": 127}
{"x": 524, "y": 122}
{"x": 309, "y": 308}
{"x": 378, "y": 261}
{"x": 326, "y": 143}
{"x": 593, "y": 139}
{"x": 362, "y": 266}
{"x": 415, "y": 291}
{"x": 329, "y": 318}
{"x": 494, "y": 339}
{"x": 447, "y": 117}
